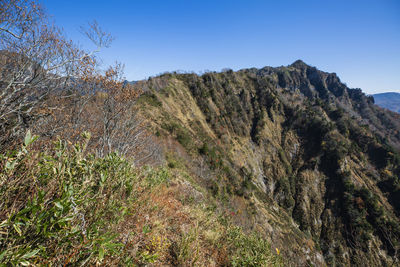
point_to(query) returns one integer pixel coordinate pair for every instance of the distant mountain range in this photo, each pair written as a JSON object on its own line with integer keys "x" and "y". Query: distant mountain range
{"x": 390, "y": 101}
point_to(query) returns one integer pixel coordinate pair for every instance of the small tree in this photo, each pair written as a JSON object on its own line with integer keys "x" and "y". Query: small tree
{"x": 46, "y": 79}
{"x": 36, "y": 59}
{"x": 113, "y": 115}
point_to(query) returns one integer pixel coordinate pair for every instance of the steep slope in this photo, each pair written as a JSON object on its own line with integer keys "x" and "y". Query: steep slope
{"x": 67, "y": 207}
{"x": 390, "y": 101}
{"x": 290, "y": 152}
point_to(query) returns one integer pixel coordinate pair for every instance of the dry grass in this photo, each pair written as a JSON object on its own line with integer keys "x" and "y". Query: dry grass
{"x": 68, "y": 207}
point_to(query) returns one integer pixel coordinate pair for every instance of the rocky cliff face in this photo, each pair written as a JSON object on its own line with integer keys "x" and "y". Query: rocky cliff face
{"x": 291, "y": 152}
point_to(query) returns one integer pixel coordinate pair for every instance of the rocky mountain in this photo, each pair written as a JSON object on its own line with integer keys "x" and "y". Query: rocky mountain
{"x": 390, "y": 101}
{"x": 290, "y": 152}
{"x": 278, "y": 166}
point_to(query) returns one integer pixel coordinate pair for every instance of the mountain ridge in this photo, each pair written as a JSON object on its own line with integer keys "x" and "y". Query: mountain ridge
{"x": 388, "y": 100}
{"x": 290, "y": 157}
{"x": 265, "y": 135}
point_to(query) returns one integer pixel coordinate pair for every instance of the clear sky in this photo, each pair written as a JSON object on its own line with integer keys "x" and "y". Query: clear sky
{"x": 357, "y": 39}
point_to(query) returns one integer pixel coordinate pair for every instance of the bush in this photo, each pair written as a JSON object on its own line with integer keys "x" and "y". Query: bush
{"x": 183, "y": 138}
{"x": 62, "y": 206}
{"x": 250, "y": 250}
{"x": 182, "y": 135}
{"x": 151, "y": 99}
{"x": 203, "y": 150}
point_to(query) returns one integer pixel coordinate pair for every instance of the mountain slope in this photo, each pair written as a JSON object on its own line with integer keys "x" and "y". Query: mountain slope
{"x": 390, "y": 101}
{"x": 290, "y": 152}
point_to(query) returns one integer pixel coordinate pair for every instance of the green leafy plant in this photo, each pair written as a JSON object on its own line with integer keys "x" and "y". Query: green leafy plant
{"x": 54, "y": 205}
{"x": 250, "y": 250}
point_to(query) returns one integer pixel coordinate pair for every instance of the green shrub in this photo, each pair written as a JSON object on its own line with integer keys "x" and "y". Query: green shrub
{"x": 250, "y": 250}
{"x": 204, "y": 149}
{"x": 151, "y": 99}
{"x": 182, "y": 134}
{"x": 61, "y": 206}
{"x": 183, "y": 138}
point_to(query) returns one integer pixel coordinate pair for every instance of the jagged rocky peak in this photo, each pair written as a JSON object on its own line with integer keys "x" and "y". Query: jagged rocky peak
{"x": 300, "y": 64}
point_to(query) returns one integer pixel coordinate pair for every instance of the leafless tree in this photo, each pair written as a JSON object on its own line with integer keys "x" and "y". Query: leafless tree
{"x": 46, "y": 77}
{"x": 35, "y": 59}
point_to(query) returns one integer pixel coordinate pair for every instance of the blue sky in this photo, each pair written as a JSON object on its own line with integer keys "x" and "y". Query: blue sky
{"x": 359, "y": 40}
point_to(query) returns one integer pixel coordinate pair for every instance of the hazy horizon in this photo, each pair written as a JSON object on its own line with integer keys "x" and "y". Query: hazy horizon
{"x": 359, "y": 41}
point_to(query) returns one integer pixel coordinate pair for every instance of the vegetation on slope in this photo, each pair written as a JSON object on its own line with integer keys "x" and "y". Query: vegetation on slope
{"x": 286, "y": 156}
{"x": 296, "y": 137}
{"x": 67, "y": 206}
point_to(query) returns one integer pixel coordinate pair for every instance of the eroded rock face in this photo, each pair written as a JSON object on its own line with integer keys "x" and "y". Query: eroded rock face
{"x": 293, "y": 153}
